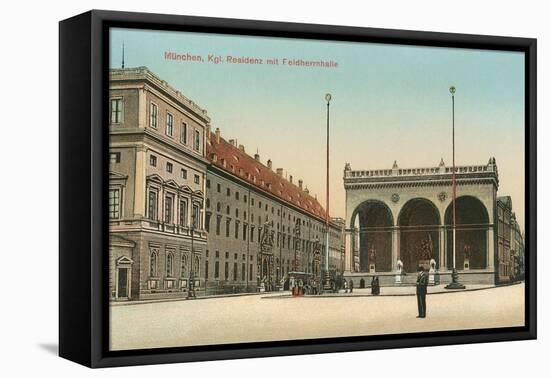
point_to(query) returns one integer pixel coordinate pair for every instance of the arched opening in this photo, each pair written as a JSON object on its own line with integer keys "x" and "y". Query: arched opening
{"x": 419, "y": 224}
{"x": 472, "y": 223}
{"x": 375, "y": 238}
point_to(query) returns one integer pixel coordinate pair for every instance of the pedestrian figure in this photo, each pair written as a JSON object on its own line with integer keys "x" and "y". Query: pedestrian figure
{"x": 345, "y": 286}
{"x": 351, "y": 286}
{"x": 375, "y": 286}
{"x": 421, "y": 290}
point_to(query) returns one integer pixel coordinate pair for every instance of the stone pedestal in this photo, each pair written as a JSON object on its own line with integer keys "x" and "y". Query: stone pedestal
{"x": 431, "y": 277}
{"x": 398, "y": 278}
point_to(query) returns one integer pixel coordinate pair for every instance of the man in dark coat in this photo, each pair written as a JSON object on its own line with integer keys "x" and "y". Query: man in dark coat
{"x": 375, "y": 286}
{"x": 421, "y": 290}
{"x": 351, "y": 285}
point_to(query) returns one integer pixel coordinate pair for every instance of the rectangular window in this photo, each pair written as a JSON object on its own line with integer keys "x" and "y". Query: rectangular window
{"x": 227, "y": 222}
{"x": 236, "y": 230}
{"x": 206, "y": 269}
{"x": 250, "y": 271}
{"x": 168, "y": 209}
{"x": 152, "y": 205}
{"x": 235, "y": 271}
{"x": 219, "y": 188}
{"x": 245, "y": 230}
{"x": 207, "y": 184}
{"x": 169, "y": 124}
{"x": 183, "y": 134}
{"x": 184, "y": 173}
{"x": 218, "y": 219}
{"x": 183, "y": 212}
{"x": 114, "y": 203}
{"x": 153, "y": 115}
{"x": 207, "y": 221}
{"x": 196, "y": 216}
{"x": 217, "y": 270}
{"x": 197, "y": 141}
{"x": 197, "y": 179}
{"x": 116, "y": 110}
{"x": 243, "y": 271}
{"x": 169, "y": 167}
{"x": 114, "y": 157}
{"x": 252, "y": 233}
{"x": 153, "y": 160}
{"x": 226, "y": 273}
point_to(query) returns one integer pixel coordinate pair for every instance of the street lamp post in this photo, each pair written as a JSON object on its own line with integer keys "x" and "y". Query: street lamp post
{"x": 454, "y": 275}
{"x": 327, "y": 285}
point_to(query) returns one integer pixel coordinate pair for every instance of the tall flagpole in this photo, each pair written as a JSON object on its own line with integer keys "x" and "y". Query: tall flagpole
{"x": 328, "y": 97}
{"x": 454, "y": 275}
{"x": 452, "y": 90}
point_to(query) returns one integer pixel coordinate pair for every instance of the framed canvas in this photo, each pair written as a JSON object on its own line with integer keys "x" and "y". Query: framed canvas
{"x": 236, "y": 188}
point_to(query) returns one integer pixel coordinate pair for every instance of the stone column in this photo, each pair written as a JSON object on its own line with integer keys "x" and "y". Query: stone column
{"x": 140, "y": 184}
{"x": 395, "y": 252}
{"x": 348, "y": 258}
{"x": 142, "y": 109}
{"x": 442, "y": 249}
{"x": 490, "y": 248}
{"x": 160, "y": 212}
{"x": 355, "y": 249}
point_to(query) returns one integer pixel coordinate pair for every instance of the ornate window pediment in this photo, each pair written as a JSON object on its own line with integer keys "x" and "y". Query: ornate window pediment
{"x": 155, "y": 178}
{"x": 124, "y": 260}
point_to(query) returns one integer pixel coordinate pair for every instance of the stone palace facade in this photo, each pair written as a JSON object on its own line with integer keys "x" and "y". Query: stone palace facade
{"x": 187, "y": 206}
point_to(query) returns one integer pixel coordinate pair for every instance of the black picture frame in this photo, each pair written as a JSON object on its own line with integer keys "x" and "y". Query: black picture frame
{"x": 83, "y": 166}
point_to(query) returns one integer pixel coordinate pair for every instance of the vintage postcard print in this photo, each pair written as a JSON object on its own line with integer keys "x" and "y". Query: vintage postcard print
{"x": 265, "y": 189}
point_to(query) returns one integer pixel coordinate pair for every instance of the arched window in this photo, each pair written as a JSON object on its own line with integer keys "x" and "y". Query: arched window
{"x": 153, "y": 264}
{"x": 183, "y": 265}
{"x": 197, "y": 267}
{"x": 170, "y": 264}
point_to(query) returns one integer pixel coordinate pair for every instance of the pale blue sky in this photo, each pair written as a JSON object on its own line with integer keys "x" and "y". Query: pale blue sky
{"x": 390, "y": 102}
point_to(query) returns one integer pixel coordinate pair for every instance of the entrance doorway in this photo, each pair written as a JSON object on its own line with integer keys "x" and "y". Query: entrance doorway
{"x": 122, "y": 283}
{"x": 123, "y": 288}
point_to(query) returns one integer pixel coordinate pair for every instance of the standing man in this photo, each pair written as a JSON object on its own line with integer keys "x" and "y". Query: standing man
{"x": 421, "y": 290}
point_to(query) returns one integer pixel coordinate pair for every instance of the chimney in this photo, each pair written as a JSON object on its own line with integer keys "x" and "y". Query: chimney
{"x": 241, "y": 148}
{"x": 290, "y": 178}
{"x": 257, "y": 156}
{"x": 306, "y": 190}
{"x": 232, "y": 142}
{"x": 280, "y": 171}
{"x": 217, "y": 134}
{"x": 300, "y": 183}
{"x": 269, "y": 164}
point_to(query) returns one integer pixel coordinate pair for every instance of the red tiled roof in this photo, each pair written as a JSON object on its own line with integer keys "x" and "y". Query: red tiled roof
{"x": 231, "y": 159}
